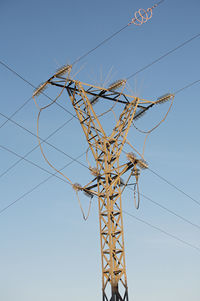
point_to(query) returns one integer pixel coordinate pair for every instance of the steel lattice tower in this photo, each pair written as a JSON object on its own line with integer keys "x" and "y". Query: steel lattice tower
{"x": 107, "y": 184}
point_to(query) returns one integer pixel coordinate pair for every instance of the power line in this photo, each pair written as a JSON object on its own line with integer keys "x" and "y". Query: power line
{"x": 17, "y": 74}
{"x": 13, "y": 114}
{"x": 100, "y": 44}
{"x": 187, "y": 86}
{"x": 164, "y": 55}
{"x": 162, "y": 231}
{"x": 170, "y": 211}
{"x": 26, "y": 81}
{"x": 30, "y": 162}
{"x": 30, "y": 132}
{"x": 34, "y": 148}
{"x": 35, "y": 187}
{"x": 174, "y": 186}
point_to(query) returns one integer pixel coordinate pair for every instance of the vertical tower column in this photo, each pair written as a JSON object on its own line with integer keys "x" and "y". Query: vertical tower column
{"x": 114, "y": 279}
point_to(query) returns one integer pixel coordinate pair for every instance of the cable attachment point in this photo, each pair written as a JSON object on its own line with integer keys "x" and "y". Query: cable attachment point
{"x": 131, "y": 157}
{"x": 142, "y": 164}
{"x": 40, "y": 89}
{"x": 77, "y": 186}
{"x": 164, "y": 98}
{"x": 117, "y": 84}
{"x": 61, "y": 71}
{"x": 94, "y": 171}
{"x": 64, "y": 69}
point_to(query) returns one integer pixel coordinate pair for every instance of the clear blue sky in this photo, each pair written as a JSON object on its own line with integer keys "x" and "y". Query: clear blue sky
{"x": 47, "y": 251}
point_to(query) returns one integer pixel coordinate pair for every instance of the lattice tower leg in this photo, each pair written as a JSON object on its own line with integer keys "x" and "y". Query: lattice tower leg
{"x": 114, "y": 280}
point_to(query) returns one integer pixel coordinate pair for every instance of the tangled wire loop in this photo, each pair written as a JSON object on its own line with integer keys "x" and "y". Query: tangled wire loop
{"x": 142, "y": 16}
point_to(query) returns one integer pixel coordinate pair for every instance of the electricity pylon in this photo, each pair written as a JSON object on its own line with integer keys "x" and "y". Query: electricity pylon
{"x": 107, "y": 184}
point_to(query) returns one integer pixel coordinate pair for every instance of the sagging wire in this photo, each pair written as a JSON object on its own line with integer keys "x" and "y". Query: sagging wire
{"x": 136, "y": 199}
{"x": 93, "y": 170}
{"x": 159, "y": 101}
{"x": 114, "y": 115}
{"x": 126, "y": 184}
{"x": 142, "y": 164}
{"x": 38, "y": 119}
{"x": 134, "y": 172}
{"x": 76, "y": 187}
